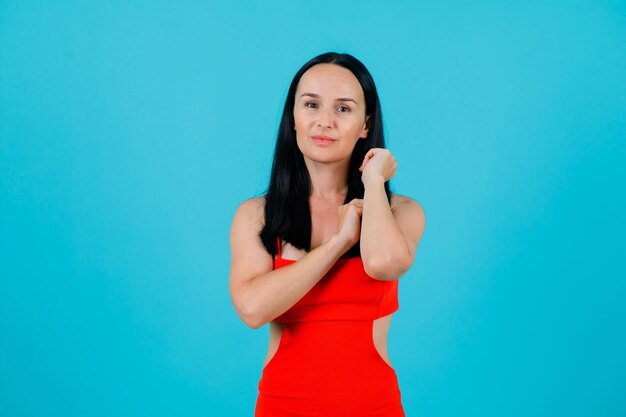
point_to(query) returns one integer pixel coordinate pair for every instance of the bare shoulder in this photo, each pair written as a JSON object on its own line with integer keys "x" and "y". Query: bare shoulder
{"x": 411, "y": 219}
{"x": 403, "y": 202}
{"x": 250, "y": 212}
{"x": 249, "y": 257}
{"x": 253, "y": 204}
{"x": 247, "y": 223}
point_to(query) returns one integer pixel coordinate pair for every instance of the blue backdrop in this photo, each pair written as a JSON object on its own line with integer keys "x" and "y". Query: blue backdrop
{"x": 130, "y": 132}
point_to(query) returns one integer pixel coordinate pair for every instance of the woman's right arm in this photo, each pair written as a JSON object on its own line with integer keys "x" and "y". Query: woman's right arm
{"x": 259, "y": 293}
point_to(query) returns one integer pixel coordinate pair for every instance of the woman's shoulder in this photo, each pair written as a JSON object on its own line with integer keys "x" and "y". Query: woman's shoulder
{"x": 252, "y": 209}
{"x": 254, "y": 203}
{"x": 410, "y": 216}
{"x": 398, "y": 200}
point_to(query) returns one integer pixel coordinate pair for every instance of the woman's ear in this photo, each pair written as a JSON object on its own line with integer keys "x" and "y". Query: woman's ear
{"x": 365, "y": 127}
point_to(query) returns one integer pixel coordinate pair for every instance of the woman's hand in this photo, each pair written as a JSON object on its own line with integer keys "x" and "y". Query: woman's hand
{"x": 378, "y": 163}
{"x": 349, "y": 222}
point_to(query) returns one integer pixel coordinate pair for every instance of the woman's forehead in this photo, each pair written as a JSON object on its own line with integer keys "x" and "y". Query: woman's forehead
{"x": 330, "y": 81}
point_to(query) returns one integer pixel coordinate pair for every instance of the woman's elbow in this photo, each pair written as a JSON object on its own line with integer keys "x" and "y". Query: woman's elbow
{"x": 254, "y": 324}
{"x": 386, "y": 268}
{"x": 250, "y": 319}
{"x": 247, "y": 312}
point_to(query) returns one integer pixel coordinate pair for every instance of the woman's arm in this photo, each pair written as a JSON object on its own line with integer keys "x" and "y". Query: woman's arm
{"x": 389, "y": 238}
{"x": 259, "y": 293}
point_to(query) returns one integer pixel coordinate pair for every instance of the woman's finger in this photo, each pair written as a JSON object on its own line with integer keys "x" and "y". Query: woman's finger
{"x": 356, "y": 200}
{"x": 365, "y": 160}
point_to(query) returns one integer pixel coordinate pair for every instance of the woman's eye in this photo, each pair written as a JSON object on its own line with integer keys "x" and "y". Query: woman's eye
{"x": 343, "y": 109}
{"x": 310, "y": 104}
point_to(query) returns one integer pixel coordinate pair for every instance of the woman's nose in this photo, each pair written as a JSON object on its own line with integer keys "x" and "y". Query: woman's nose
{"x": 325, "y": 118}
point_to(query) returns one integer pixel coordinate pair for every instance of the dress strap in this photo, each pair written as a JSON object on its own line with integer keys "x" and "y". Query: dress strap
{"x": 278, "y": 245}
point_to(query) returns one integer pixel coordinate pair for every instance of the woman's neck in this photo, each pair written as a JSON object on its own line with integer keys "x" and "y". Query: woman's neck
{"x": 328, "y": 180}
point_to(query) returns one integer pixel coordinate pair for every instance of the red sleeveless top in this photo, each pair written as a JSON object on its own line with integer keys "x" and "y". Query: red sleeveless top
{"x": 326, "y": 363}
{"x": 346, "y": 292}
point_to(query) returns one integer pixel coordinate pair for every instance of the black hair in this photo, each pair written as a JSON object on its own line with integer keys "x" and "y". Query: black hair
{"x": 287, "y": 211}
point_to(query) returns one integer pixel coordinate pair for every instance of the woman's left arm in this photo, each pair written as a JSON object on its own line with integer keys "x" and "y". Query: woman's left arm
{"x": 389, "y": 237}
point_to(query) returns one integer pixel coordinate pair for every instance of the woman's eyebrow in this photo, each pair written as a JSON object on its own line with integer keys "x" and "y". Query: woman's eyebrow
{"x": 338, "y": 99}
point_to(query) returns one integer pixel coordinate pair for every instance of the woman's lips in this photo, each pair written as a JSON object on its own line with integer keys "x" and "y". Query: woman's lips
{"x": 322, "y": 140}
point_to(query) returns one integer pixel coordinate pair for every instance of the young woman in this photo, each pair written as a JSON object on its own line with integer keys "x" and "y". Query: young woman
{"x": 319, "y": 256}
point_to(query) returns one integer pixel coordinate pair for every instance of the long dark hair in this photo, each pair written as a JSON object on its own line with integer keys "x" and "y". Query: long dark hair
{"x": 287, "y": 211}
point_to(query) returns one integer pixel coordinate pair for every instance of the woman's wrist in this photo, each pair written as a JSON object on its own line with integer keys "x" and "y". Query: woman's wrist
{"x": 338, "y": 245}
{"x": 373, "y": 180}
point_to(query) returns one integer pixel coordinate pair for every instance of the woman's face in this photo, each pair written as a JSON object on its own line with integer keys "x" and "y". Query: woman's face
{"x": 329, "y": 113}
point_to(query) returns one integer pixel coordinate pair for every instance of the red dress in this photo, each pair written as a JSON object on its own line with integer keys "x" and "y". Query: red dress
{"x": 326, "y": 364}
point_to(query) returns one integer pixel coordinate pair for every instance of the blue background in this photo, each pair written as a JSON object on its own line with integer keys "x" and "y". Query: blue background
{"x": 129, "y": 133}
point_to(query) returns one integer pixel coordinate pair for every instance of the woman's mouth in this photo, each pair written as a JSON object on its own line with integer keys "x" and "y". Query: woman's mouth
{"x": 323, "y": 140}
